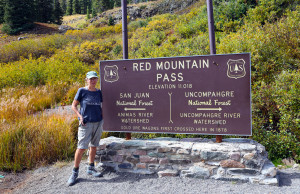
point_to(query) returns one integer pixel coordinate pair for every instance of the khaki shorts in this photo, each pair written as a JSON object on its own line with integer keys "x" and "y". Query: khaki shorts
{"x": 89, "y": 135}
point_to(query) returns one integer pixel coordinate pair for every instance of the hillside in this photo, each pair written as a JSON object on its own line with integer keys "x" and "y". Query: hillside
{"x": 45, "y": 70}
{"x": 148, "y": 9}
{"x": 135, "y": 11}
{"x": 39, "y": 30}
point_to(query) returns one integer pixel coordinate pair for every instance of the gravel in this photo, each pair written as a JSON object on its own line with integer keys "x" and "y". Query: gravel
{"x": 53, "y": 179}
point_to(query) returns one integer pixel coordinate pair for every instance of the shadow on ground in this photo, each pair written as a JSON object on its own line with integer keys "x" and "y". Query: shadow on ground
{"x": 285, "y": 179}
{"x": 121, "y": 177}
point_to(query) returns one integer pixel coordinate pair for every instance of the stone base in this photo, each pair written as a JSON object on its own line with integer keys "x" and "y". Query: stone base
{"x": 234, "y": 159}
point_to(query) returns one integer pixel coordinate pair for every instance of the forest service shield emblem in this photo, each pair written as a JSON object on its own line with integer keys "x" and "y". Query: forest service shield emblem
{"x": 111, "y": 73}
{"x": 236, "y": 68}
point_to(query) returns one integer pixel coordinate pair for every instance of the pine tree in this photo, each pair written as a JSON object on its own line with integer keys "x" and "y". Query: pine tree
{"x": 89, "y": 9}
{"x": 93, "y": 12}
{"x": 18, "y": 16}
{"x": 2, "y": 5}
{"x": 89, "y": 6}
{"x": 104, "y": 5}
{"x": 70, "y": 7}
{"x": 83, "y": 6}
{"x": 63, "y": 4}
{"x": 57, "y": 15}
{"x": 76, "y": 7}
{"x": 88, "y": 13}
{"x": 117, "y": 3}
{"x": 44, "y": 9}
{"x": 96, "y": 7}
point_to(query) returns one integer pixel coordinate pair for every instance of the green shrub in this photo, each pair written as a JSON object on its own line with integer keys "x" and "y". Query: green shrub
{"x": 279, "y": 145}
{"x": 273, "y": 48}
{"x": 111, "y": 21}
{"x": 196, "y": 22}
{"x": 6, "y": 28}
{"x": 276, "y": 116}
{"x": 198, "y": 45}
{"x": 276, "y": 106}
{"x": 229, "y": 14}
{"x": 287, "y": 99}
{"x": 157, "y": 38}
{"x": 137, "y": 24}
{"x": 117, "y": 49}
{"x": 269, "y": 11}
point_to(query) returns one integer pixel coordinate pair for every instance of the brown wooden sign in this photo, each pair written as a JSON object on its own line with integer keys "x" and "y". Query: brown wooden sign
{"x": 197, "y": 94}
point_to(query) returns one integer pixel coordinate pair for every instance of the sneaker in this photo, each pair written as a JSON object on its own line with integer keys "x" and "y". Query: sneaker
{"x": 72, "y": 179}
{"x": 92, "y": 171}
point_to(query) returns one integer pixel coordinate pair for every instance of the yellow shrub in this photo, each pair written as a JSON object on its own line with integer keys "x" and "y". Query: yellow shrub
{"x": 89, "y": 51}
{"x": 69, "y": 96}
{"x": 118, "y": 28}
{"x": 34, "y": 48}
{"x": 35, "y": 140}
{"x": 17, "y": 103}
{"x": 159, "y": 25}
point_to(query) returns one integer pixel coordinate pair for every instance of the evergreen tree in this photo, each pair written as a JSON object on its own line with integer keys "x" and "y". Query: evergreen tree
{"x": 2, "y": 5}
{"x": 93, "y": 12}
{"x": 100, "y": 6}
{"x": 96, "y": 7}
{"x": 83, "y": 6}
{"x": 70, "y": 7}
{"x": 89, "y": 6}
{"x": 106, "y": 5}
{"x": 117, "y": 3}
{"x": 57, "y": 15}
{"x": 76, "y": 7}
{"x": 89, "y": 9}
{"x": 18, "y": 16}
{"x": 44, "y": 10}
{"x": 63, "y": 4}
{"x": 88, "y": 13}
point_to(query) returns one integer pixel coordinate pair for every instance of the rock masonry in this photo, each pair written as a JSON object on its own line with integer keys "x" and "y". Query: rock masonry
{"x": 234, "y": 159}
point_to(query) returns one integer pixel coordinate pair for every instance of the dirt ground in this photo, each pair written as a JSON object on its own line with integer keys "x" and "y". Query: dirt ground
{"x": 53, "y": 179}
{"x": 39, "y": 30}
{"x": 11, "y": 180}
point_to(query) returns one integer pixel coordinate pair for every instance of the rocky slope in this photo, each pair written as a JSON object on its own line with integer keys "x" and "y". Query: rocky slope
{"x": 144, "y": 10}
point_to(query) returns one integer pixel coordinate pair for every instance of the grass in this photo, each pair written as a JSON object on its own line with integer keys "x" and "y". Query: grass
{"x": 40, "y": 30}
{"x": 35, "y": 140}
{"x": 29, "y": 139}
{"x": 75, "y": 21}
{"x": 61, "y": 164}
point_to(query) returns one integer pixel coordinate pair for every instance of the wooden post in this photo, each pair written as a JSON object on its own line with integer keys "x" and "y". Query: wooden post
{"x": 125, "y": 40}
{"x": 212, "y": 41}
{"x": 211, "y": 27}
{"x": 128, "y": 136}
{"x": 218, "y": 138}
{"x": 124, "y": 29}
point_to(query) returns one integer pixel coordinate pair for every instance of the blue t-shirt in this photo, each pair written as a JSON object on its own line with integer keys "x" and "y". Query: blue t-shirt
{"x": 90, "y": 104}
